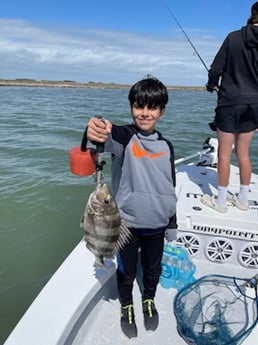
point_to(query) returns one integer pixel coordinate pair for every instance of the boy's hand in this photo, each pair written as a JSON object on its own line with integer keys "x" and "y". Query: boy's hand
{"x": 98, "y": 129}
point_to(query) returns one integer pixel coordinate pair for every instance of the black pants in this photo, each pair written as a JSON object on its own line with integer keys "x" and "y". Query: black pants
{"x": 151, "y": 249}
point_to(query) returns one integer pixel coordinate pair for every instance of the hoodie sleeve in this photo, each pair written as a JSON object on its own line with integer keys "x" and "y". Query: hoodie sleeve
{"x": 218, "y": 65}
{"x": 119, "y": 138}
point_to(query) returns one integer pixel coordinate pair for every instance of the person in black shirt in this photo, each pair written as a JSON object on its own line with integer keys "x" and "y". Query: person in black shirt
{"x": 234, "y": 75}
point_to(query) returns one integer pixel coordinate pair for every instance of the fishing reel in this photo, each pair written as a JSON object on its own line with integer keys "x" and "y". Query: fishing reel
{"x": 210, "y": 157}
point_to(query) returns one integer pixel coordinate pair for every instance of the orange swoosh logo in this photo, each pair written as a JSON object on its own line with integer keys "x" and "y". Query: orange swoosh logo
{"x": 140, "y": 153}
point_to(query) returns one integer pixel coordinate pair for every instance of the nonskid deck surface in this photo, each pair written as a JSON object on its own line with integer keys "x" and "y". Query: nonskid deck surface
{"x": 102, "y": 325}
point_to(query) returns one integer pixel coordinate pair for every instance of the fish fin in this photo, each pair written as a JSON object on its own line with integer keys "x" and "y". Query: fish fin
{"x": 124, "y": 236}
{"x": 82, "y": 221}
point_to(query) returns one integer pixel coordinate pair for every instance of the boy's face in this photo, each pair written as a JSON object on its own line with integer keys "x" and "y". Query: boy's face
{"x": 145, "y": 118}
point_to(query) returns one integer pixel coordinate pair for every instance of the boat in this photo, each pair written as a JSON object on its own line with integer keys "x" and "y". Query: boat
{"x": 79, "y": 304}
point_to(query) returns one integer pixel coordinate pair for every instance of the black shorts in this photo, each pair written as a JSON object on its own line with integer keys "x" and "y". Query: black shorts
{"x": 240, "y": 118}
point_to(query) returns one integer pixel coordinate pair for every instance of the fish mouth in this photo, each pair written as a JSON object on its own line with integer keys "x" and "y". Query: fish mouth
{"x": 101, "y": 185}
{"x": 103, "y": 193}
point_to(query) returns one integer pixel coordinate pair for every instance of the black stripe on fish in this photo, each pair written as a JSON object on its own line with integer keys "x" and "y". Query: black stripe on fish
{"x": 103, "y": 238}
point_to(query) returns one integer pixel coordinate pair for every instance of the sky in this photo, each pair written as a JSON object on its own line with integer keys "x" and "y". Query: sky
{"x": 115, "y": 41}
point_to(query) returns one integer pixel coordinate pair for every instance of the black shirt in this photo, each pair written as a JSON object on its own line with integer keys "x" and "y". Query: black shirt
{"x": 235, "y": 68}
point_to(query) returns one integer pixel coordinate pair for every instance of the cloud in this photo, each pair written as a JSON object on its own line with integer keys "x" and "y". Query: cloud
{"x": 91, "y": 54}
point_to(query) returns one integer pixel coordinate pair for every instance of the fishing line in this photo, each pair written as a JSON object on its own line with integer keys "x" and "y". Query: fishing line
{"x": 187, "y": 37}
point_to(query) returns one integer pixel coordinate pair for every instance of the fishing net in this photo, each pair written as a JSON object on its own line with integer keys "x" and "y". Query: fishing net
{"x": 217, "y": 310}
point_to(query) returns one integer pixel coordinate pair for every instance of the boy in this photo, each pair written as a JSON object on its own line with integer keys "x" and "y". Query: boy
{"x": 143, "y": 181}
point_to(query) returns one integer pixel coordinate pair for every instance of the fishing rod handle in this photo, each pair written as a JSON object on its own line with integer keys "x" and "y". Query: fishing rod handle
{"x": 99, "y": 147}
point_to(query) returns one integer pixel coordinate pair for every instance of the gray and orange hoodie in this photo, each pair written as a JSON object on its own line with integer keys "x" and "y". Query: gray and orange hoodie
{"x": 143, "y": 177}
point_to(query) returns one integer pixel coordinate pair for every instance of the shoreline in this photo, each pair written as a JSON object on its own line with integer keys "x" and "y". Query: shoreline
{"x": 74, "y": 84}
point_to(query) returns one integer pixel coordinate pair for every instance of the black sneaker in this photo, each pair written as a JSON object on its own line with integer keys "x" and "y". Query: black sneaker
{"x": 128, "y": 324}
{"x": 151, "y": 316}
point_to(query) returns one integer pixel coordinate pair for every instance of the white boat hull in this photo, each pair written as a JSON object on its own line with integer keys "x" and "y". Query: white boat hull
{"x": 80, "y": 306}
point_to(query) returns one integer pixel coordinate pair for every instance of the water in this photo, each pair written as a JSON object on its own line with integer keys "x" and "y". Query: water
{"x": 41, "y": 201}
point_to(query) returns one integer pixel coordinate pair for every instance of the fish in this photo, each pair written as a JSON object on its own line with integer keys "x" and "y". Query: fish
{"x": 105, "y": 232}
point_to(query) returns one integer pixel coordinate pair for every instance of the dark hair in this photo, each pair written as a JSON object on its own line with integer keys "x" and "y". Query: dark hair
{"x": 253, "y": 19}
{"x": 254, "y": 14}
{"x": 148, "y": 92}
{"x": 254, "y": 8}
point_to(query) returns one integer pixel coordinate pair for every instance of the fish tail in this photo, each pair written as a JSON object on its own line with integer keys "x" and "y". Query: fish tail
{"x": 99, "y": 263}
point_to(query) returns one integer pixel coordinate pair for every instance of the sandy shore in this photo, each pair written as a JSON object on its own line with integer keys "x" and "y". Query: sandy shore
{"x": 74, "y": 84}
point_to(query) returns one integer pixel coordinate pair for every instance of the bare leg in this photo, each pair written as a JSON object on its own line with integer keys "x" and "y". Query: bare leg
{"x": 243, "y": 141}
{"x": 226, "y": 141}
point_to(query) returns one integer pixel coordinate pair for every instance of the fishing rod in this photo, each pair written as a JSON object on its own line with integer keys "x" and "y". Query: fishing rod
{"x": 187, "y": 37}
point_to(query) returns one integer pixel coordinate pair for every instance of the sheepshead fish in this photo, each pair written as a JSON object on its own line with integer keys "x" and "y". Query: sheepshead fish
{"x": 105, "y": 231}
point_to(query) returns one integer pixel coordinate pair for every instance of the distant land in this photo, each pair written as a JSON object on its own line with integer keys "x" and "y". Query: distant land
{"x": 74, "y": 84}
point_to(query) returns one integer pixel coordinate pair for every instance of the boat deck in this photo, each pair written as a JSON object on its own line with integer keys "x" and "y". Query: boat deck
{"x": 102, "y": 325}
{"x": 230, "y": 237}
{"x": 79, "y": 306}
{"x": 215, "y": 242}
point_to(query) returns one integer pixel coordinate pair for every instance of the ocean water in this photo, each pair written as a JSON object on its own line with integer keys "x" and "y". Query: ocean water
{"x": 41, "y": 200}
